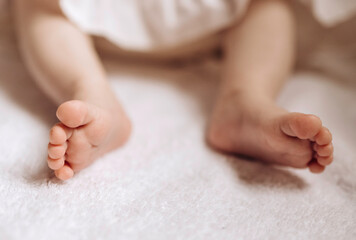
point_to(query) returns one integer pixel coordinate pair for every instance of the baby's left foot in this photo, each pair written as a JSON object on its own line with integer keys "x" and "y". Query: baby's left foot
{"x": 266, "y": 132}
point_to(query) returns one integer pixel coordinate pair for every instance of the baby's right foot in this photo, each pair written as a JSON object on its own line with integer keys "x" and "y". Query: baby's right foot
{"x": 85, "y": 133}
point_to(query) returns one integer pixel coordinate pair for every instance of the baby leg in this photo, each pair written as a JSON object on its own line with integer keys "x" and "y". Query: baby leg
{"x": 63, "y": 62}
{"x": 246, "y": 120}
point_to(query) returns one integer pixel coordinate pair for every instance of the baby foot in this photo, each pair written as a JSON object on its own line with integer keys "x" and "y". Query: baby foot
{"x": 272, "y": 135}
{"x": 85, "y": 133}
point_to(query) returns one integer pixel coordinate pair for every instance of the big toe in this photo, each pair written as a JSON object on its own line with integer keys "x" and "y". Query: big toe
{"x": 303, "y": 126}
{"x": 74, "y": 113}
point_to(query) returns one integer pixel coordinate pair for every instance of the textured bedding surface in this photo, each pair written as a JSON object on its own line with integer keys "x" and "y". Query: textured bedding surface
{"x": 166, "y": 183}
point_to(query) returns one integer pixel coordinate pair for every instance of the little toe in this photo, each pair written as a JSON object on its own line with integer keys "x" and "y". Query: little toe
{"x": 315, "y": 167}
{"x": 324, "y": 161}
{"x": 324, "y": 150}
{"x": 59, "y": 134}
{"x": 55, "y": 164}
{"x": 303, "y": 126}
{"x": 324, "y": 137}
{"x": 75, "y": 113}
{"x": 64, "y": 173}
{"x": 56, "y": 151}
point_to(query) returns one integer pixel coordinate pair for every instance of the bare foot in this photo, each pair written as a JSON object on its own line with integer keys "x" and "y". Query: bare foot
{"x": 85, "y": 133}
{"x": 266, "y": 132}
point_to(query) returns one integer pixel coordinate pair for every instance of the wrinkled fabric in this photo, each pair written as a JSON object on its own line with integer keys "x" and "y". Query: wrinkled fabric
{"x": 152, "y": 24}
{"x": 145, "y": 25}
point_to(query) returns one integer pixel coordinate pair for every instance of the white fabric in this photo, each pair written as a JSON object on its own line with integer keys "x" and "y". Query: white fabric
{"x": 147, "y": 25}
{"x": 166, "y": 183}
{"x": 152, "y": 24}
{"x": 333, "y": 12}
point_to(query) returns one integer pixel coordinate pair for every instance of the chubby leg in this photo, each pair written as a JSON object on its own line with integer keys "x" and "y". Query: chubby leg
{"x": 246, "y": 120}
{"x": 63, "y": 62}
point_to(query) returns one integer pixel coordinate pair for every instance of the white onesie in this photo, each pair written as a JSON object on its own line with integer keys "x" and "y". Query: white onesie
{"x": 148, "y": 25}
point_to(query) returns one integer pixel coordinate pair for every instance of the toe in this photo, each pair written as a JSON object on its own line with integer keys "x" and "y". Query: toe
{"x": 324, "y": 150}
{"x": 301, "y": 125}
{"x": 59, "y": 134}
{"x": 75, "y": 113}
{"x": 315, "y": 167}
{"x": 64, "y": 173}
{"x": 324, "y": 161}
{"x": 324, "y": 137}
{"x": 56, "y": 151}
{"x": 55, "y": 164}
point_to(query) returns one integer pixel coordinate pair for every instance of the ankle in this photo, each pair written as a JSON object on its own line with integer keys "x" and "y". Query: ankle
{"x": 100, "y": 97}
{"x": 245, "y": 99}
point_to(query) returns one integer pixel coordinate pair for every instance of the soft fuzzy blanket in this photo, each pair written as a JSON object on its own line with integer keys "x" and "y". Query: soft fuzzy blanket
{"x": 166, "y": 183}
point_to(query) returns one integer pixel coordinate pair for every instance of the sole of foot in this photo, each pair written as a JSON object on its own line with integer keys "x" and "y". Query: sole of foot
{"x": 85, "y": 132}
{"x": 291, "y": 139}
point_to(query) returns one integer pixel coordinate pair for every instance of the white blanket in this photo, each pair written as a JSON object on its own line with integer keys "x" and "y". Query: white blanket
{"x": 166, "y": 183}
